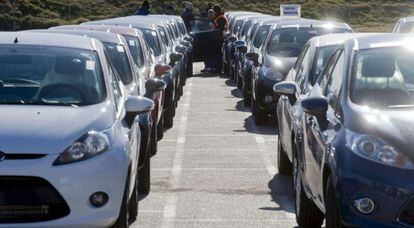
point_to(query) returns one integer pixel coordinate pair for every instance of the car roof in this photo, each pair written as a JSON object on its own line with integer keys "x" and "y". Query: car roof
{"x": 304, "y": 22}
{"x": 406, "y": 19}
{"x": 129, "y": 22}
{"x": 334, "y": 39}
{"x": 122, "y": 30}
{"x": 42, "y": 39}
{"x": 104, "y": 37}
{"x": 382, "y": 40}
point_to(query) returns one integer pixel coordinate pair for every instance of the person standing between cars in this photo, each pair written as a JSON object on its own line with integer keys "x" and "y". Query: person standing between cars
{"x": 220, "y": 22}
{"x": 205, "y": 13}
{"x": 188, "y": 15}
{"x": 145, "y": 8}
{"x": 209, "y": 62}
{"x": 170, "y": 10}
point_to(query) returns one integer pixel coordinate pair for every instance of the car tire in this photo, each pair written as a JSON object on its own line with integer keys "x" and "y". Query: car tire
{"x": 307, "y": 213}
{"x": 133, "y": 204}
{"x": 283, "y": 163}
{"x": 239, "y": 83}
{"x": 247, "y": 99}
{"x": 259, "y": 116}
{"x": 123, "y": 217}
{"x": 169, "y": 117}
{"x": 144, "y": 177}
{"x": 333, "y": 216}
{"x": 160, "y": 128}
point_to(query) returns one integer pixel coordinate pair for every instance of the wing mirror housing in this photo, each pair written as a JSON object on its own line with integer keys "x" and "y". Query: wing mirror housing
{"x": 186, "y": 44}
{"x": 242, "y": 49}
{"x": 138, "y": 104}
{"x": 287, "y": 89}
{"x": 231, "y": 39}
{"x": 254, "y": 57}
{"x": 175, "y": 57}
{"x": 189, "y": 39}
{"x": 154, "y": 85}
{"x": 316, "y": 106}
{"x": 161, "y": 69}
{"x": 181, "y": 49}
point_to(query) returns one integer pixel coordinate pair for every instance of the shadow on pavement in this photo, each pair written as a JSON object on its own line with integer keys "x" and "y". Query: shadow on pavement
{"x": 281, "y": 192}
{"x": 230, "y": 82}
{"x": 236, "y": 93}
{"x": 268, "y": 129}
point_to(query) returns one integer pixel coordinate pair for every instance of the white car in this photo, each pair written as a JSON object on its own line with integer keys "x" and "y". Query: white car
{"x": 67, "y": 157}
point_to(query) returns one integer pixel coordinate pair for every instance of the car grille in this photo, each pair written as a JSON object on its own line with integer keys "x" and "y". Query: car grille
{"x": 29, "y": 199}
{"x": 407, "y": 214}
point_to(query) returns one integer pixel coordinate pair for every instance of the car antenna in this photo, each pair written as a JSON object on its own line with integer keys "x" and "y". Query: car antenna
{"x": 16, "y": 40}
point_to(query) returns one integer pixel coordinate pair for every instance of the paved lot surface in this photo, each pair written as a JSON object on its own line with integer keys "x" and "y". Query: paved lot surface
{"x": 215, "y": 167}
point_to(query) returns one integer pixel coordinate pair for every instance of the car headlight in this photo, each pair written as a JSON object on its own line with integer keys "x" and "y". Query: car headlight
{"x": 276, "y": 76}
{"x": 89, "y": 145}
{"x": 375, "y": 149}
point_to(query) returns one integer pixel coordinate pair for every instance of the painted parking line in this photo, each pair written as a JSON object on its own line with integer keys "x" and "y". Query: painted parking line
{"x": 170, "y": 207}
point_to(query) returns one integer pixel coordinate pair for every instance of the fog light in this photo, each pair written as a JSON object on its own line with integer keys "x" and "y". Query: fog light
{"x": 364, "y": 205}
{"x": 268, "y": 99}
{"x": 99, "y": 199}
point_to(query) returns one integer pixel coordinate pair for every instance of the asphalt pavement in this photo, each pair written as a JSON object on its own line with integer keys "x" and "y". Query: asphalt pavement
{"x": 215, "y": 167}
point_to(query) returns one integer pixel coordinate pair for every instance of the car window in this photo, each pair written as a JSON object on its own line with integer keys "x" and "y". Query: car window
{"x": 261, "y": 36}
{"x": 201, "y": 25}
{"x": 303, "y": 70}
{"x": 119, "y": 58}
{"x": 246, "y": 28}
{"x": 237, "y": 26}
{"x": 164, "y": 35}
{"x": 322, "y": 55}
{"x": 151, "y": 38}
{"x": 135, "y": 47}
{"x": 50, "y": 76}
{"x": 323, "y": 78}
{"x": 252, "y": 30}
{"x": 117, "y": 94}
{"x": 333, "y": 87}
{"x": 407, "y": 27}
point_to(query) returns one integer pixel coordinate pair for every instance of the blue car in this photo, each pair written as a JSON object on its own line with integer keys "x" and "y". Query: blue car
{"x": 354, "y": 162}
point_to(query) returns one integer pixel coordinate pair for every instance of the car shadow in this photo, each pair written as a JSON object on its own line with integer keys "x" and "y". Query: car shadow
{"x": 281, "y": 193}
{"x": 250, "y": 126}
{"x": 237, "y": 93}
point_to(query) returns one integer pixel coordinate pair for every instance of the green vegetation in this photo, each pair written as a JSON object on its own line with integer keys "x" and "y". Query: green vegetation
{"x": 362, "y": 15}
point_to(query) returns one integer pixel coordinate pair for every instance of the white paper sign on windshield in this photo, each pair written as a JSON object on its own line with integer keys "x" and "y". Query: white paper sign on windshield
{"x": 290, "y": 11}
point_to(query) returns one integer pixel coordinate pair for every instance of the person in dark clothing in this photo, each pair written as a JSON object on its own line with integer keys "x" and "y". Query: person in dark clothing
{"x": 170, "y": 10}
{"x": 205, "y": 13}
{"x": 145, "y": 8}
{"x": 220, "y": 23}
{"x": 188, "y": 15}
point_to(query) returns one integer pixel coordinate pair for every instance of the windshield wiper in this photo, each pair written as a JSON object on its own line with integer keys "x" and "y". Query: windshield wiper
{"x": 32, "y": 102}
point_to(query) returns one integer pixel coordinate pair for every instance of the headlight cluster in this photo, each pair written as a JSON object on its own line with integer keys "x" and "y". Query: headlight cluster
{"x": 377, "y": 150}
{"x": 276, "y": 76}
{"x": 89, "y": 145}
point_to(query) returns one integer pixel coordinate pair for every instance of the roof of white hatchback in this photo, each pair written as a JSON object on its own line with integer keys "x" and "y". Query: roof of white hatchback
{"x": 384, "y": 40}
{"x": 405, "y": 19}
{"x": 303, "y": 22}
{"x": 335, "y": 39}
{"x": 47, "y": 39}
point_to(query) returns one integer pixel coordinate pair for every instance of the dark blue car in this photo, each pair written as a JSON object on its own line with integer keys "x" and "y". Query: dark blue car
{"x": 354, "y": 162}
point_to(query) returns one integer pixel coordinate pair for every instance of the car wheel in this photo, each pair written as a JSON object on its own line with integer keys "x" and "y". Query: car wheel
{"x": 123, "y": 218}
{"x": 333, "y": 216}
{"x": 307, "y": 213}
{"x": 133, "y": 204}
{"x": 169, "y": 117}
{"x": 247, "y": 99}
{"x": 283, "y": 163}
{"x": 259, "y": 116}
{"x": 144, "y": 177}
{"x": 160, "y": 128}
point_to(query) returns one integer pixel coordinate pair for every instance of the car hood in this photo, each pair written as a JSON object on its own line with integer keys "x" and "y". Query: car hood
{"x": 394, "y": 126}
{"x": 279, "y": 64}
{"x": 49, "y": 129}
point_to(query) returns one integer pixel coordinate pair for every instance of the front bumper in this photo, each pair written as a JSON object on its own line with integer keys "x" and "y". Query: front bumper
{"x": 390, "y": 188}
{"x": 76, "y": 182}
{"x": 262, "y": 92}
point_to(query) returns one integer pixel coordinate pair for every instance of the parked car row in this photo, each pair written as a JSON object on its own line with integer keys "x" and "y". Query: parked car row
{"x": 83, "y": 109}
{"x": 343, "y": 103}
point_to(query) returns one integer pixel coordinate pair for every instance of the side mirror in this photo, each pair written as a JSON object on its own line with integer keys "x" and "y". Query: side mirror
{"x": 254, "y": 57}
{"x": 231, "y": 39}
{"x": 239, "y": 42}
{"x": 287, "y": 89}
{"x": 316, "y": 106}
{"x": 181, "y": 49}
{"x": 186, "y": 43}
{"x": 161, "y": 69}
{"x": 175, "y": 57}
{"x": 242, "y": 49}
{"x": 154, "y": 85}
{"x": 137, "y": 104}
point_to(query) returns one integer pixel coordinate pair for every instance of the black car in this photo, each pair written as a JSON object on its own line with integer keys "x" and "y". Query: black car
{"x": 283, "y": 44}
{"x": 355, "y": 162}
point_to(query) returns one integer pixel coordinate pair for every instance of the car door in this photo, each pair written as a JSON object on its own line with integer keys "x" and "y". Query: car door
{"x": 315, "y": 132}
{"x": 206, "y": 39}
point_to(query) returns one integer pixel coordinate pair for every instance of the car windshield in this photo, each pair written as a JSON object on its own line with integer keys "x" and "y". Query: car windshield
{"x": 136, "y": 50}
{"x": 383, "y": 78}
{"x": 322, "y": 56}
{"x": 119, "y": 59}
{"x": 182, "y": 28}
{"x": 152, "y": 39}
{"x": 288, "y": 42}
{"x": 43, "y": 75}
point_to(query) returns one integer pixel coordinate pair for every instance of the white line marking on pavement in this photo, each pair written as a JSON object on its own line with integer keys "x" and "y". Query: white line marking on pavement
{"x": 271, "y": 169}
{"x": 172, "y": 198}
